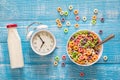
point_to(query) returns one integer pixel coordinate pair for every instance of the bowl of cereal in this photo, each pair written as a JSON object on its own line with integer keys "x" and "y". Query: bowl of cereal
{"x": 81, "y": 47}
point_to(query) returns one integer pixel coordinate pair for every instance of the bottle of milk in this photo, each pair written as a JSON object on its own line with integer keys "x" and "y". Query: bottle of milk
{"x": 14, "y": 46}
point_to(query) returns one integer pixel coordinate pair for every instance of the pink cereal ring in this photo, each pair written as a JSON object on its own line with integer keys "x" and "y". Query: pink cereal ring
{"x": 80, "y": 50}
{"x": 90, "y": 38}
{"x": 77, "y": 18}
{"x": 81, "y": 57}
{"x": 79, "y": 37}
{"x": 75, "y": 43}
{"x": 78, "y": 41}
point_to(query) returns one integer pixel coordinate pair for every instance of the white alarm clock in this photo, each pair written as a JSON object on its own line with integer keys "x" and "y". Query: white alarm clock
{"x": 42, "y": 41}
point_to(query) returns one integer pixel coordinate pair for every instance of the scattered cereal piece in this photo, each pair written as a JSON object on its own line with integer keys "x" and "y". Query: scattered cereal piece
{"x": 63, "y": 64}
{"x": 82, "y": 74}
{"x": 58, "y": 20}
{"x": 76, "y": 25}
{"x": 102, "y": 20}
{"x": 68, "y": 23}
{"x": 59, "y": 25}
{"x": 55, "y": 63}
{"x": 62, "y": 13}
{"x": 62, "y": 19}
{"x": 84, "y": 18}
{"x": 70, "y": 7}
{"x": 105, "y": 58}
{"x": 77, "y": 18}
{"x": 100, "y": 31}
{"x": 59, "y": 9}
{"x": 95, "y": 11}
{"x": 57, "y": 58}
{"x": 93, "y": 22}
{"x": 65, "y": 30}
{"x": 76, "y": 12}
{"x": 63, "y": 57}
{"x": 94, "y": 17}
{"x": 66, "y": 13}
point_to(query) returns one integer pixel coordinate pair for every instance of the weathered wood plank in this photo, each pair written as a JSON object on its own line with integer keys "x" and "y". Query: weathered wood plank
{"x": 69, "y": 72}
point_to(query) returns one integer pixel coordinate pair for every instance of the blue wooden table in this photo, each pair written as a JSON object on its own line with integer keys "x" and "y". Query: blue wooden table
{"x": 24, "y": 12}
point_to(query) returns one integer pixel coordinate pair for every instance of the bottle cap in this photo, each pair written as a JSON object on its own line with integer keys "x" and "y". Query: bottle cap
{"x": 11, "y": 25}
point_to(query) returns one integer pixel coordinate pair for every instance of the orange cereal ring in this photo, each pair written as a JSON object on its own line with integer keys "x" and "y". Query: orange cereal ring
{"x": 88, "y": 53}
{"x": 71, "y": 44}
{"x": 82, "y": 62}
{"x": 95, "y": 57}
{"x": 76, "y": 25}
{"x": 76, "y": 48}
{"x": 59, "y": 9}
{"x": 94, "y": 17}
{"x": 76, "y": 12}
{"x": 59, "y": 25}
{"x": 69, "y": 50}
{"x": 85, "y": 57}
{"x": 90, "y": 61}
{"x": 58, "y": 20}
{"x": 95, "y": 36}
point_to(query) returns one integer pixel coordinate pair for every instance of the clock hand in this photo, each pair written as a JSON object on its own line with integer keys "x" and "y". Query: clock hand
{"x": 41, "y": 39}
{"x": 41, "y": 45}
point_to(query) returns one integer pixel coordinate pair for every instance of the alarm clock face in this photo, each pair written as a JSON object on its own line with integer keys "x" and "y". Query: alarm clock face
{"x": 43, "y": 42}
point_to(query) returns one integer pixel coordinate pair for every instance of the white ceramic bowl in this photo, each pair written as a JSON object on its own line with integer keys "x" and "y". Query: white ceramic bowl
{"x": 100, "y": 53}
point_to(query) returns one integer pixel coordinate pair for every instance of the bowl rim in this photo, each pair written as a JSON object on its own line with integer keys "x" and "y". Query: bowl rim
{"x": 100, "y": 54}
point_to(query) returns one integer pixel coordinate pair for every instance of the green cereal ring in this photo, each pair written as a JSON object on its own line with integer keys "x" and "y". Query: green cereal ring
{"x": 57, "y": 58}
{"x": 65, "y": 30}
{"x": 75, "y": 59}
{"x": 66, "y": 13}
{"x": 74, "y": 54}
{"x": 92, "y": 45}
{"x": 93, "y": 22}
{"x": 95, "y": 41}
{"x": 89, "y": 42}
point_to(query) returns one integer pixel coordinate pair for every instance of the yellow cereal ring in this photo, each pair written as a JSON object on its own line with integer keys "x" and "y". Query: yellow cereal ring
{"x": 59, "y": 9}
{"x": 76, "y": 12}
{"x": 76, "y": 48}
{"x": 94, "y": 17}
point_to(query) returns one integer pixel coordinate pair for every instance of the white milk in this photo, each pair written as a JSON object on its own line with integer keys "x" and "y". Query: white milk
{"x": 14, "y": 46}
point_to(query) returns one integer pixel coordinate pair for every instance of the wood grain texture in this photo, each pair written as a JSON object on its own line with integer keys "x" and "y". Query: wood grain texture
{"x": 24, "y": 12}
